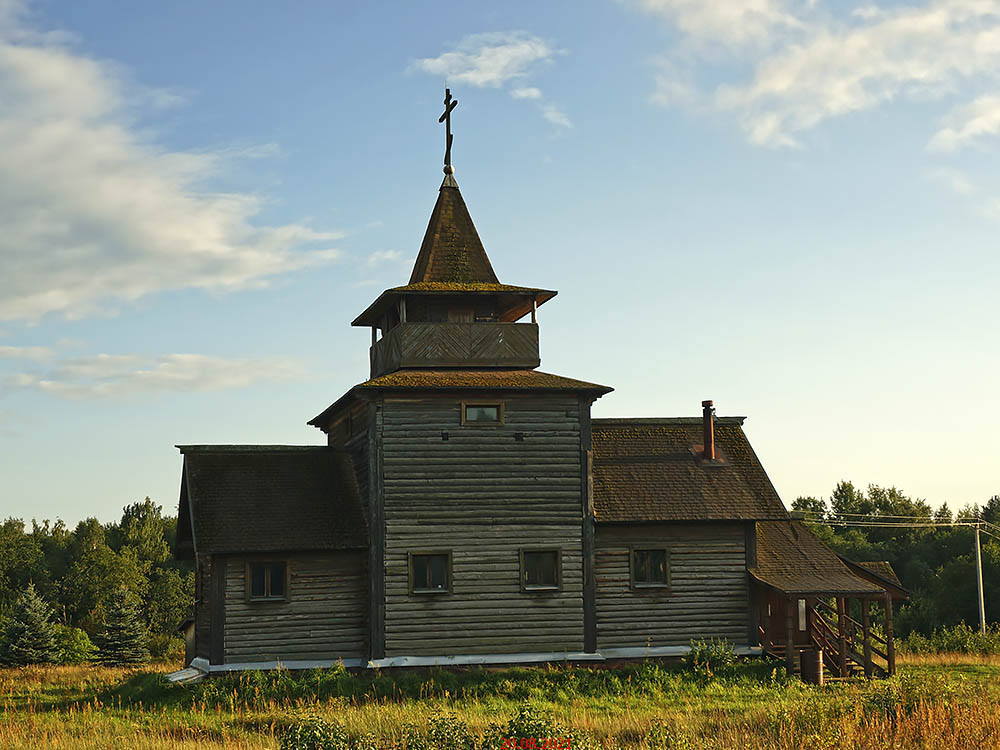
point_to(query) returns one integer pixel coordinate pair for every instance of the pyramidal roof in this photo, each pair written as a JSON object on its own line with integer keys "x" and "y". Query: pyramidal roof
{"x": 452, "y": 251}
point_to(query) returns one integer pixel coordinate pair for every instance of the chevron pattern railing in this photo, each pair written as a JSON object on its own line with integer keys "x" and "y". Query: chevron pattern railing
{"x": 428, "y": 345}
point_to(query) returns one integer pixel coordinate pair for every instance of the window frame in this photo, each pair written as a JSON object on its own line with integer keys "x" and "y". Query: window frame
{"x": 267, "y": 562}
{"x": 449, "y": 580}
{"x": 535, "y": 589}
{"x": 479, "y": 423}
{"x": 645, "y": 586}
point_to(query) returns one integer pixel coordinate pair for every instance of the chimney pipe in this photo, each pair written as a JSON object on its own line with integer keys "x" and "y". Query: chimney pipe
{"x": 708, "y": 427}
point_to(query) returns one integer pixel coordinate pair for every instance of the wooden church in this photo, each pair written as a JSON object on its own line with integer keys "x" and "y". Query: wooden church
{"x": 467, "y": 509}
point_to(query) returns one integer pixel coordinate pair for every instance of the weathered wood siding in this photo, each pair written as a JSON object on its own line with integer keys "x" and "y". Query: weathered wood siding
{"x": 708, "y": 592}
{"x": 325, "y": 616}
{"x": 482, "y": 495}
{"x": 202, "y": 605}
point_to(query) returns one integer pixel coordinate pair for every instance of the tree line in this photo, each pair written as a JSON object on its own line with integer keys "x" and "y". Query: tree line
{"x": 936, "y": 563}
{"x": 110, "y": 591}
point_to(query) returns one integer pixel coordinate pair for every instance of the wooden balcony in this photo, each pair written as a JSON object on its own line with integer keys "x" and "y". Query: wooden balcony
{"x": 472, "y": 345}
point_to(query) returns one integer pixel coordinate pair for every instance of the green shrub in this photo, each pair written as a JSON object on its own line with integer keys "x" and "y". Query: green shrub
{"x": 960, "y": 639}
{"x": 73, "y": 645}
{"x": 165, "y": 647}
{"x": 449, "y": 733}
{"x": 314, "y": 733}
{"x": 710, "y": 658}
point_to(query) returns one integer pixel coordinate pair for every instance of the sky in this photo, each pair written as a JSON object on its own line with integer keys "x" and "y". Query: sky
{"x": 791, "y": 208}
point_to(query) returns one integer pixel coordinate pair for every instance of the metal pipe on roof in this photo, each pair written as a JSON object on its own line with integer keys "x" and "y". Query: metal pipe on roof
{"x": 707, "y": 415}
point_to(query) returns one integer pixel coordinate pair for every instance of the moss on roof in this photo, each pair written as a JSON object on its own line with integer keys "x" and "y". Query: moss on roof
{"x": 451, "y": 250}
{"x": 480, "y": 379}
{"x": 467, "y": 286}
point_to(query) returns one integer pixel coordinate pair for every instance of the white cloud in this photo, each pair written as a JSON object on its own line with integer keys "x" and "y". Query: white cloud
{"x": 526, "y": 93}
{"x": 25, "y": 352}
{"x": 488, "y": 60}
{"x": 494, "y": 60}
{"x": 969, "y": 123}
{"x": 728, "y": 21}
{"x": 954, "y": 180}
{"x": 914, "y": 53}
{"x": 120, "y": 376}
{"x": 553, "y": 114}
{"x": 809, "y": 65}
{"x": 382, "y": 257}
{"x": 94, "y": 213}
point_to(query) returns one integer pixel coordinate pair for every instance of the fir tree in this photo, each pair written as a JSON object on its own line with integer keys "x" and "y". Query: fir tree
{"x": 123, "y": 638}
{"x": 30, "y": 636}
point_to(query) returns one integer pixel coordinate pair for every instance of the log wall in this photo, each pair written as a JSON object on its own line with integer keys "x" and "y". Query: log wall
{"x": 202, "y": 605}
{"x": 483, "y": 495}
{"x": 707, "y": 596}
{"x": 324, "y": 617}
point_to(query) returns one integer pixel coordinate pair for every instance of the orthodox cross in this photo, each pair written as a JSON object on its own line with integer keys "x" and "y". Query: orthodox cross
{"x": 449, "y": 105}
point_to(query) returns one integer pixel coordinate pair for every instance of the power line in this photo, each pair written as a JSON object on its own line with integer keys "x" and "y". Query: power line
{"x": 870, "y": 522}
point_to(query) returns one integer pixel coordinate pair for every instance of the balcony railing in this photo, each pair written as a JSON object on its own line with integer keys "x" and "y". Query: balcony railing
{"x": 428, "y": 345}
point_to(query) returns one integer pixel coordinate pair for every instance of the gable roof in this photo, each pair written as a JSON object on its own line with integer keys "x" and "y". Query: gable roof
{"x": 649, "y": 470}
{"x": 793, "y": 560}
{"x": 880, "y": 573}
{"x": 270, "y": 498}
{"x": 451, "y": 250}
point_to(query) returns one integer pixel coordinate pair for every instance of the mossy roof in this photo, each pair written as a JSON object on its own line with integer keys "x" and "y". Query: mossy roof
{"x": 520, "y": 380}
{"x": 460, "y": 380}
{"x": 452, "y": 250}
{"x": 452, "y": 260}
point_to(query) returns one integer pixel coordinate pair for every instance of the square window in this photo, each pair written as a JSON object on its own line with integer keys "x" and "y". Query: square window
{"x": 650, "y": 568}
{"x": 482, "y": 414}
{"x": 266, "y": 580}
{"x": 540, "y": 570}
{"x": 430, "y": 573}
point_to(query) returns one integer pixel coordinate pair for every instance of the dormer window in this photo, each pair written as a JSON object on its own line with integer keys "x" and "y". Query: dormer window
{"x": 482, "y": 413}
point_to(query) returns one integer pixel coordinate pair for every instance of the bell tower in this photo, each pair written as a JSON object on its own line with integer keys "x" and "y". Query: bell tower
{"x": 454, "y": 312}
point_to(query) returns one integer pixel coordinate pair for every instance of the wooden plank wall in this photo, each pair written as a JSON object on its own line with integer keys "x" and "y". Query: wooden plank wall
{"x": 708, "y": 593}
{"x": 484, "y": 496}
{"x": 202, "y": 605}
{"x": 325, "y": 616}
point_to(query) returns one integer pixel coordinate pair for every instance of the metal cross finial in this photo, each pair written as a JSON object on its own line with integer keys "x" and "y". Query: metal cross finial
{"x": 449, "y": 105}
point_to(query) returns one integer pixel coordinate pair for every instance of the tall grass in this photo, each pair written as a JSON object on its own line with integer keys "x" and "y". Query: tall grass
{"x": 939, "y": 704}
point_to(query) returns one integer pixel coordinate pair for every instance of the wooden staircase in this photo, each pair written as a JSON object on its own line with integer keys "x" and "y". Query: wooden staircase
{"x": 850, "y": 648}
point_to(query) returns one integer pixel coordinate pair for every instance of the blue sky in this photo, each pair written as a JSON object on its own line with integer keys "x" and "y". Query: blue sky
{"x": 789, "y": 207}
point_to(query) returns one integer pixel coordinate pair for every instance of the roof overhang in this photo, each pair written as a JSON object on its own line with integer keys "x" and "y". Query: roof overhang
{"x": 819, "y": 589}
{"x": 515, "y": 301}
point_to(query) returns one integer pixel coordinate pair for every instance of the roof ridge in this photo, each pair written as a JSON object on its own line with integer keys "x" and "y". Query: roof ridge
{"x": 235, "y": 448}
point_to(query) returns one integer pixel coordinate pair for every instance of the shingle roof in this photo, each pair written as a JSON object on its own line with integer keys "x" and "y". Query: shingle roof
{"x": 882, "y": 569}
{"x": 263, "y": 498}
{"x": 791, "y": 559}
{"x": 647, "y": 470}
{"x": 521, "y": 380}
{"x": 880, "y": 573}
{"x": 452, "y": 250}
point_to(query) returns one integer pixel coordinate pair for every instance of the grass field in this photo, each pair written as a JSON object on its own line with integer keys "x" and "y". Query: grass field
{"x": 935, "y": 702}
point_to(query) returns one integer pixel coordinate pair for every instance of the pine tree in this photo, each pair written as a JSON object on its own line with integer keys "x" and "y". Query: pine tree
{"x": 123, "y": 638}
{"x": 30, "y": 635}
